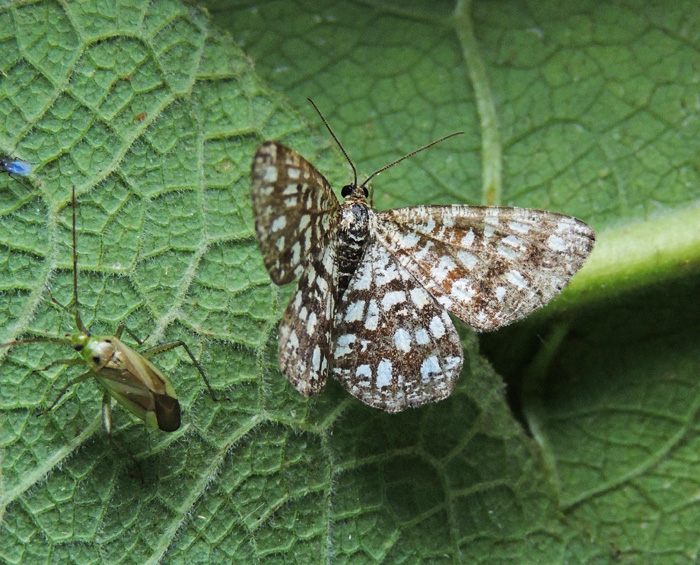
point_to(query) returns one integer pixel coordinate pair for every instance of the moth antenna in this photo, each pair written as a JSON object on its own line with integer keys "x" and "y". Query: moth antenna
{"x": 411, "y": 154}
{"x": 325, "y": 123}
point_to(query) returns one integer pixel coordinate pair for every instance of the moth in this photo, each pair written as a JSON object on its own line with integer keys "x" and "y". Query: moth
{"x": 375, "y": 288}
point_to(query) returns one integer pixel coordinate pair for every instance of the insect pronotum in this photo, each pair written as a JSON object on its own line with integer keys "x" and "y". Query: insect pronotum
{"x": 126, "y": 375}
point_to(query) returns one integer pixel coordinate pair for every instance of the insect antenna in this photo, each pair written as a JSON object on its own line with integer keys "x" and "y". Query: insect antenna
{"x": 36, "y": 340}
{"x": 78, "y": 320}
{"x": 411, "y": 154}
{"x": 325, "y": 123}
{"x": 375, "y": 173}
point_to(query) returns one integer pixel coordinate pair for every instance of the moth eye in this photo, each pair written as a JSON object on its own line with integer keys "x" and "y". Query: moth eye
{"x": 96, "y": 359}
{"x": 346, "y": 190}
{"x": 108, "y": 341}
{"x": 364, "y": 189}
{"x": 78, "y": 347}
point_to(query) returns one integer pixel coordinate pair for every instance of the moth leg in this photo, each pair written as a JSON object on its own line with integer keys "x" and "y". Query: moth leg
{"x": 69, "y": 384}
{"x": 163, "y": 347}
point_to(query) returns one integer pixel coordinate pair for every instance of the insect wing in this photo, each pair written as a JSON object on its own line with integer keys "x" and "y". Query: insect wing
{"x": 489, "y": 266}
{"x": 140, "y": 387}
{"x": 16, "y": 167}
{"x": 294, "y": 209}
{"x": 394, "y": 345}
{"x": 306, "y": 326}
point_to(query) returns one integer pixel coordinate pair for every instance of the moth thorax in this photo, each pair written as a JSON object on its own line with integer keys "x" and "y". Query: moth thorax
{"x": 352, "y": 238}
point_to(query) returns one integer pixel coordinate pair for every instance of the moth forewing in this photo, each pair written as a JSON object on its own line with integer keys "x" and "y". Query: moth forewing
{"x": 281, "y": 175}
{"x": 487, "y": 265}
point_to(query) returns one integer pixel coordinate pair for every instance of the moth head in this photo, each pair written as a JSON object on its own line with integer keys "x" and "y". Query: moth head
{"x": 349, "y": 189}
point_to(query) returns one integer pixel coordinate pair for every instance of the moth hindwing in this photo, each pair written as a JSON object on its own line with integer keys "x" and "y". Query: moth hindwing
{"x": 126, "y": 375}
{"x": 375, "y": 287}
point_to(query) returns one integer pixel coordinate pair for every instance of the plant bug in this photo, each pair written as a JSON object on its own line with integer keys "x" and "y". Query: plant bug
{"x": 126, "y": 375}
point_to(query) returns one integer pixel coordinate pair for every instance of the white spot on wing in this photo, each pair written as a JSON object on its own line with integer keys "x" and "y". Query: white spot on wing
{"x": 270, "y": 175}
{"x": 304, "y": 221}
{"x": 278, "y": 223}
{"x": 343, "y": 343}
{"x": 355, "y": 311}
{"x": 501, "y": 293}
{"x": 518, "y": 227}
{"x": 311, "y": 323}
{"x": 422, "y": 337}
{"x": 372, "y": 319}
{"x": 468, "y": 239}
{"x": 316, "y": 359}
{"x": 516, "y": 278}
{"x": 402, "y": 340}
{"x": 430, "y": 366}
{"x": 410, "y": 240}
{"x": 556, "y": 243}
{"x": 420, "y": 297}
{"x": 437, "y": 328}
{"x": 393, "y": 298}
{"x": 442, "y": 270}
{"x": 469, "y": 260}
{"x": 384, "y": 373}
{"x": 512, "y": 240}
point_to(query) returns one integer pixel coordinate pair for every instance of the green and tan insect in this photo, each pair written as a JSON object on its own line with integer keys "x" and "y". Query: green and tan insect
{"x": 126, "y": 375}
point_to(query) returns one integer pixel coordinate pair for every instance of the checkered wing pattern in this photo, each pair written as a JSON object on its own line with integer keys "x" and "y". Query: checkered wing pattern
{"x": 489, "y": 266}
{"x": 371, "y": 307}
{"x": 395, "y": 346}
{"x": 305, "y": 330}
{"x": 294, "y": 209}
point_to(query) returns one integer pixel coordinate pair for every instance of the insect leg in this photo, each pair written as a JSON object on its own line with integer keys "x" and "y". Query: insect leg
{"x": 57, "y": 303}
{"x": 107, "y": 413}
{"x": 75, "y": 381}
{"x": 107, "y": 423}
{"x": 69, "y": 362}
{"x": 163, "y": 347}
{"x": 122, "y": 328}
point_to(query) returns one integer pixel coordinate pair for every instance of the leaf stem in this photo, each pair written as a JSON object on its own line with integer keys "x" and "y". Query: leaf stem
{"x": 491, "y": 161}
{"x": 659, "y": 248}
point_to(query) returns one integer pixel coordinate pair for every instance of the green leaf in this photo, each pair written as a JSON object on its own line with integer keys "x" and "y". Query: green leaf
{"x": 154, "y": 110}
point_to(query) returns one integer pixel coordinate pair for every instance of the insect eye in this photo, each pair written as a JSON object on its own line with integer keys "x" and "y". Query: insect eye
{"x": 346, "y": 190}
{"x": 78, "y": 347}
{"x": 108, "y": 341}
{"x": 96, "y": 359}
{"x": 364, "y": 189}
